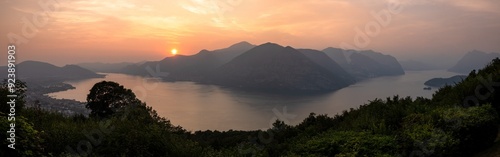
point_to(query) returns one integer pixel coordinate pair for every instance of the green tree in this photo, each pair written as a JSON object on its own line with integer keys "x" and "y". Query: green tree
{"x": 106, "y": 98}
{"x": 20, "y": 90}
{"x": 28, "y": 141}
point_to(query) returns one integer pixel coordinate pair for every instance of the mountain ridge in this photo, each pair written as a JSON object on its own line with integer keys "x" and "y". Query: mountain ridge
{"x": 473, "y": 60}
{"x": 272, "y": 67}
{"x": 42, "y": 70}
{"x": 366, "y": 63}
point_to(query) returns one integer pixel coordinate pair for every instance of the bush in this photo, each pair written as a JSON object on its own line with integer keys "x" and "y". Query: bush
{"x": 476, "y": 127}
{"x": 28, "y": 141}
{"x": 422, "y": 138}
{"x": 347, "y": 143}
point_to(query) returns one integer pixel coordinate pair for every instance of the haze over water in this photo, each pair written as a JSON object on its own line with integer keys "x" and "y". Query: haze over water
{"x": 202, "y": 107}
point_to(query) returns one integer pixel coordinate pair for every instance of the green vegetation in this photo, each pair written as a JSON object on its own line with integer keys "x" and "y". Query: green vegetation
{"x": 459, "y": 120}
{"x": 106, "y": 98}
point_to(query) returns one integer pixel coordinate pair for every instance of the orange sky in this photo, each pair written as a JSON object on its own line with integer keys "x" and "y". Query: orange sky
{"x": 137, "y": 30}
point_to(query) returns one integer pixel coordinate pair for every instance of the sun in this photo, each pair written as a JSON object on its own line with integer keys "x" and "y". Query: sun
{"x": 173, "y": 51}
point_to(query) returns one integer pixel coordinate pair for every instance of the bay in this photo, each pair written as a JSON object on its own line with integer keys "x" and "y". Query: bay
{"x": 208, "y": 107}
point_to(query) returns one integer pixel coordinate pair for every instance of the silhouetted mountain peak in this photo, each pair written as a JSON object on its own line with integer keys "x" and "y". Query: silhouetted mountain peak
{"x": 270, "y": 62}
{"x": 71, "y": 66}
{"x": 475, "y": 52}
{"x": 204, "y": 51}
{"x": 372, "y": 52}
{"x": 365, "y": 63}
{"x": 474, "y": 59}
{"x": 75, "y": 67}
{"x": 241, "y": 45}
{"x": 270, "y": 44}
{"x": 265, "y": 48}
{"x": 193, "y": 67}
{"x": 272, "y": 67}
{"x": 45, "y": 71}
{"x": 31, "y": 63}
{"x": 106, "y": 67}
{"x": 333, "y": 49}
{"x": 326, "y": 62}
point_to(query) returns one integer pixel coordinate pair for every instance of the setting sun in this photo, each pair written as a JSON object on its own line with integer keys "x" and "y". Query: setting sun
{"x": 173, "y": 51}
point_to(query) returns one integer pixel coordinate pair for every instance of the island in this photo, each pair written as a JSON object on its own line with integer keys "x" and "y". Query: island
{"x": 440, "y": 82}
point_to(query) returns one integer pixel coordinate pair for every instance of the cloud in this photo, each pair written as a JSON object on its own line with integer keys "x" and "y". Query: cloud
{"x": 425, "y": 25}
{"x": 490, "y": 6}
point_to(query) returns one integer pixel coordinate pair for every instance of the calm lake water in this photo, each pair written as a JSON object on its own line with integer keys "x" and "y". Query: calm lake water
{"x": 207, "y": 107}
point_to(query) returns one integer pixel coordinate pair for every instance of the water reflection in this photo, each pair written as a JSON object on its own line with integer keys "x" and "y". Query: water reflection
{"x": 201, "y": 107}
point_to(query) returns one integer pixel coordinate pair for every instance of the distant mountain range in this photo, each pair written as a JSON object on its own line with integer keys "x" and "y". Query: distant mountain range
{"x": 365, "y": 64}
{"x": 190, "y": 68}
{"x": 326, "y": 62}
{"x": 35, "y": 70}
{"x": 272, "y": 67}
{"x": 473, "y": 60}
{"x": 106, "y": 67}
{"x": 266, "y": 67}
{"x": 269, "y": 67}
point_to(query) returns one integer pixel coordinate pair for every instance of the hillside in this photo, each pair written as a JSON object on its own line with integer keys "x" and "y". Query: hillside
{"x": 35, "y": 70}
{"x": 347, "y": 65}
{"x": 441, "y": 126}
{"x": 105, "y": 67}
{"x": 365, "y": 64}
{"x": 440, "y": 82}
{"x": 190, "y": 68}
{"x": 324, "y": 61}
{"x": 473, "y": 60}
{"x": 337, "y": 55}
{"x": 231, "y": 67}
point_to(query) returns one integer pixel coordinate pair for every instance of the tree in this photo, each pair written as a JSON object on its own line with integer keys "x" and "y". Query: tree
{"x": 20, "y": 92}
{"x": 106, "y": 98}
{"x": 28, "y": 140}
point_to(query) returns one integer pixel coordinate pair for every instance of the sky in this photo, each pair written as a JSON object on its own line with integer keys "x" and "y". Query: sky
{"x": 74, "y": 31}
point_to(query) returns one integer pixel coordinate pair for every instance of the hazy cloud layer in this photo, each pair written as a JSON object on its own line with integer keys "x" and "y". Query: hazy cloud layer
{"x": 127, "y": 30}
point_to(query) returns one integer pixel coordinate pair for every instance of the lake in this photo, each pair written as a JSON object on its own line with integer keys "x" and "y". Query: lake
{"x": 207, "y": 107}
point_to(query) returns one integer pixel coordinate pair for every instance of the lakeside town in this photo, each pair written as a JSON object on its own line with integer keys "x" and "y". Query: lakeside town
{"x": 37, "y": 96}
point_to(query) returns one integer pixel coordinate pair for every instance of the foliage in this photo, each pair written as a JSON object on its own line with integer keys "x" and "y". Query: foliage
{"x": 121, "y": 125}
{"x": 28, "y": 140}
{"x": 106, "y": 98}
{"x": 346, "y": 143}
{"x": 20, "y": 92}
{"x": 476, "y": 127}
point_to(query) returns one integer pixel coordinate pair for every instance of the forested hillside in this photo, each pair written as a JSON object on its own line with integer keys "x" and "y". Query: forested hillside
{"x": 459, "y": 120}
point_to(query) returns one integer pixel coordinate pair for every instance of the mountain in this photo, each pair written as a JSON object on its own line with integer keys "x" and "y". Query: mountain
{"x": 365, "y": 64}
{"x": 416, "y": 65}
{"x": 337, "y": 55}
{"x": 473, "y": 60}
{"x": 44, "y": 71}
{"x": 105, "y": 67}
{"x": 226, "y": 54}
{"x": 326, "y": 62}
{"x": 190, "y": 68}
{"x": 343, "y": 67}
{"x": 271, "y": 67}
{"x": 389, "y": 64}
{"x": 440, "y": 82}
